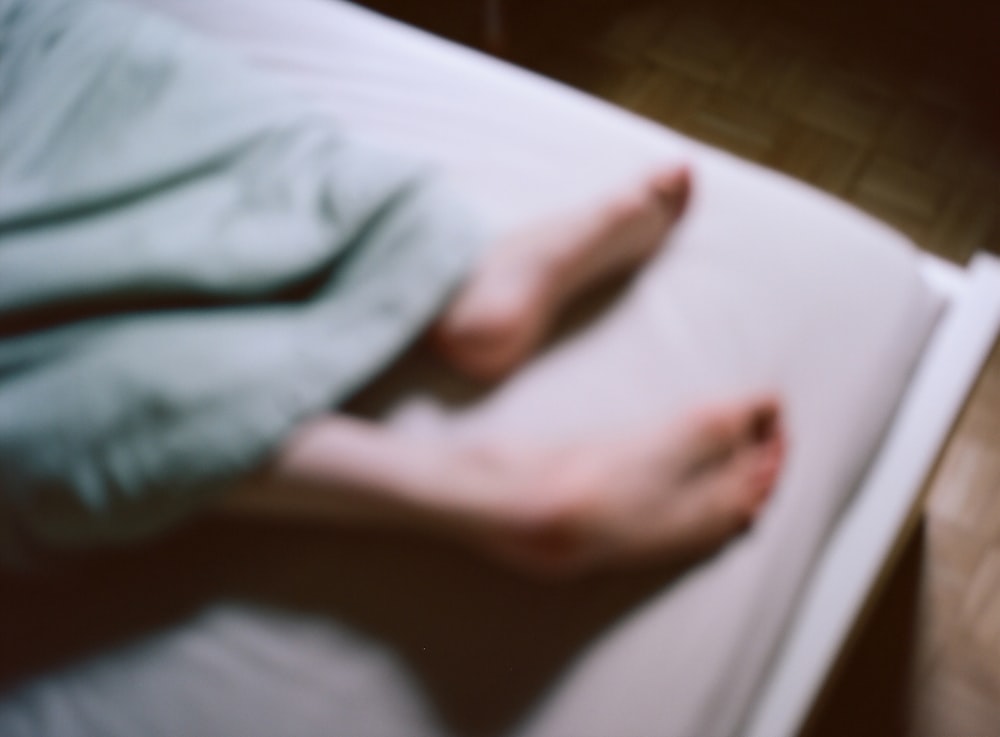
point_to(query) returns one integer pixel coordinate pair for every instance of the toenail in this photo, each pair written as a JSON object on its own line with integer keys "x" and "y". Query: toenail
{"x": 763, "y": 427}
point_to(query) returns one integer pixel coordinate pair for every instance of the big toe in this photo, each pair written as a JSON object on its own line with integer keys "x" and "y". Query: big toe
{"x": 673, "y": 187}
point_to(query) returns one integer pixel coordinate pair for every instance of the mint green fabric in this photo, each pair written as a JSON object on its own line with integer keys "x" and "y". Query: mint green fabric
{"x": 192, "y": 260}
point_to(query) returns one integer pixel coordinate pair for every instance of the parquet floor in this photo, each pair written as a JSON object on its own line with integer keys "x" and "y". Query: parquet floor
{"x": 876, "y": 113}
{"x": 894, "y": 111}
{"x": 956, "y": 679}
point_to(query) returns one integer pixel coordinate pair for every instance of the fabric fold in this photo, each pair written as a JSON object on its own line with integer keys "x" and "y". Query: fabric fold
{"x": 192, "y": 261}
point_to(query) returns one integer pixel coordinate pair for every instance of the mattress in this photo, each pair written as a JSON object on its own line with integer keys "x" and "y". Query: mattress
{"x": 766, "y": 284}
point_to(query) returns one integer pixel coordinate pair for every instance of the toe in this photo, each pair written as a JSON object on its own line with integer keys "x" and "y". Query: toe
{"x": 762, "y": 419}
{"x": 719, "y": 432}
{"x": 724, "y": 504}
{"x": 674, "y": 188}
{"x": 741, "y": 474}
{"x": 741, "y": 493}
{"x": 759, "y": 475}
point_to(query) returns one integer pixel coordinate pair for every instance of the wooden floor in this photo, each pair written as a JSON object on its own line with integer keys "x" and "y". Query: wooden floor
{"x": 894, "y": 114}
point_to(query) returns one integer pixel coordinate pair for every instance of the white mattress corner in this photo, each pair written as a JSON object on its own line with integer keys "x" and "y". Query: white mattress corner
{"x": 944, "y": 277}
{"x": 858, "y": 549}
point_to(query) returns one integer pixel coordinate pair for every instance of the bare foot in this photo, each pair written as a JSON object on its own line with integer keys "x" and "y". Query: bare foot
{"x": 509, "y": 303}
{"x": 667, "y": 494}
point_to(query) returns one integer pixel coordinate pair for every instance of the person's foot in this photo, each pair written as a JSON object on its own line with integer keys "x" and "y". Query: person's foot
{"x": 509, "y": 303}
{"x": 669, "y": 494}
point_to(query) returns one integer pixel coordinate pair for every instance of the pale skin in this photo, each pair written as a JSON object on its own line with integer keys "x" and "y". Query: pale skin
{"x": 667, "y": 492}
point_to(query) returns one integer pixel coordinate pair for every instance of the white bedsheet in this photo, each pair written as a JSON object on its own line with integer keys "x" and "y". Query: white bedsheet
{"x": 766, "y": 284}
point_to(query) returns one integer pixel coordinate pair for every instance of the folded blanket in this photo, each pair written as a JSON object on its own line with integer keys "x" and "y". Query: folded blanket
{"x": 192, "y": 260}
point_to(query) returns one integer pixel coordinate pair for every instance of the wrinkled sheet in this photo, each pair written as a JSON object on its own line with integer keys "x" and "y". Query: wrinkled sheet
{"x": 193, "y": 259}
{"x": 767, "y": 283}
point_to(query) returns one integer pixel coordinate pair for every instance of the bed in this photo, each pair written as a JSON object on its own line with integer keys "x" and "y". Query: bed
{"x": 766, "y": 284}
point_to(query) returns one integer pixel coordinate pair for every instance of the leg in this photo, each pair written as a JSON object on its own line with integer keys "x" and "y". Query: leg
{"x": 507, "y": 306}
{"x": 664, "y": 493}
